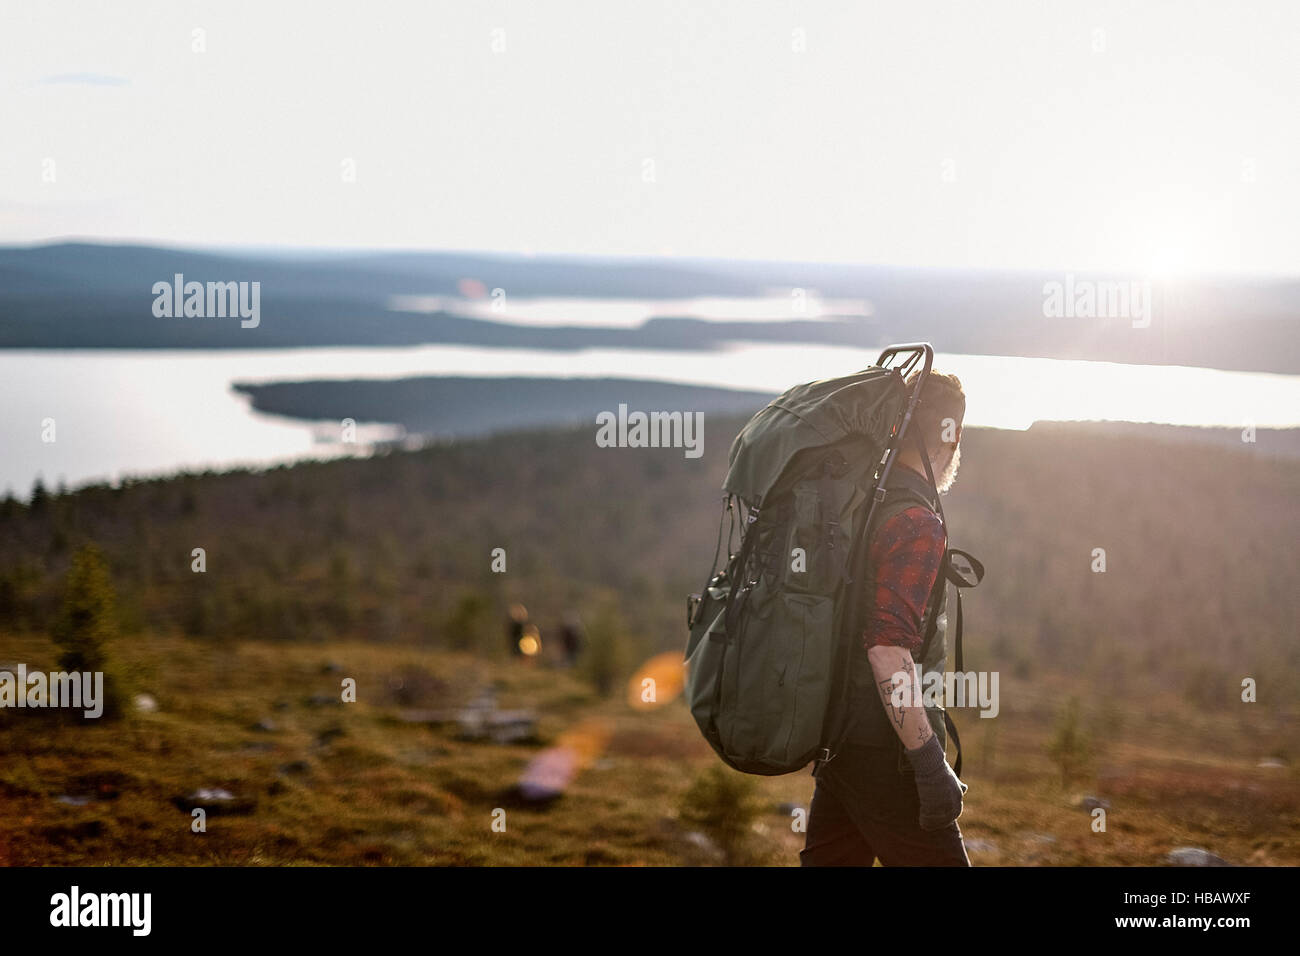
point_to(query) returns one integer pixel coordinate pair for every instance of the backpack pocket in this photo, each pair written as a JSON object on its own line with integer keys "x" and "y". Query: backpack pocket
{"x": 816, "y": 554}
{"x": 706, "y": 654}
{"x": 776, "y": 683}
{"x": 702, "y": 610}
{"x": 803, "y": 671}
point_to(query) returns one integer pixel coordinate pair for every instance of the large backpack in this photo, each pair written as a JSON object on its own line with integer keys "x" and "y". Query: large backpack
{"x": 768, "y": 654}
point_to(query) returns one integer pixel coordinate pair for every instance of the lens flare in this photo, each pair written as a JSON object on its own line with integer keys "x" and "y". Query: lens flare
{"x": 659, "y": 680}
{"x": 531, "y": 643}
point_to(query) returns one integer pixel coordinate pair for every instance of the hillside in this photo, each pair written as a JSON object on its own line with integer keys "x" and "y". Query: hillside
{"x": 380, "y": 569}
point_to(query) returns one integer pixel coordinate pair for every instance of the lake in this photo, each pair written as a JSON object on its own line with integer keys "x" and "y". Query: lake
{"x": 120, "y": 413}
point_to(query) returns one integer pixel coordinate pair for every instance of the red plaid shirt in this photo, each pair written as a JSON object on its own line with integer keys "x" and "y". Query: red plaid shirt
{"x": 906, "y": 552}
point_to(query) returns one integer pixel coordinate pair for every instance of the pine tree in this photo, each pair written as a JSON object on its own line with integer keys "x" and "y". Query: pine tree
{"x": 87, "y": 622}
{"x": 1070, "y": 746}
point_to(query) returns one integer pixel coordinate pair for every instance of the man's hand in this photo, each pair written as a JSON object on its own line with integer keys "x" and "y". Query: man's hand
{"x": 937, "y": 786}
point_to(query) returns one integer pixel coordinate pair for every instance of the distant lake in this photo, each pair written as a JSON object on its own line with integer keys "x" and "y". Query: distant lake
{"x": 119, "y": 413}
{"x": 628, "y": 313}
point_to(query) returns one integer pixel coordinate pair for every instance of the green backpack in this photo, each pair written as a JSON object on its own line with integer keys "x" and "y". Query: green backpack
{"x": 765, "y": 657}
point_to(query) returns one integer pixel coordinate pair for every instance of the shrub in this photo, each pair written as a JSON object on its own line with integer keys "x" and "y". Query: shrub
{"x": 87, "y": 623}
{"x": 1070, "y": 746}
{"x": 724, "y": 805}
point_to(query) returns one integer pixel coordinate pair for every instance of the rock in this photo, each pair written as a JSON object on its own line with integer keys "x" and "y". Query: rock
{"x": 500, "y": 726}
{"x": 265, "y": 726}
{"x": 214, "y": 801}
{"x": 1193, "y": 856}
{"x": 548, "y": 774}
{"x": 512, "y": 727}
{"x": 480, "y": 720}
{"x": 702, "y": 842}
{"x": 1089, "y": 803}
{"x": 145, "y": 703}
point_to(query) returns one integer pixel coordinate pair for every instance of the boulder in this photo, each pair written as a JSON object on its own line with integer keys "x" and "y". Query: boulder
{"x": 215, "y": 801}
{"x": 1193, "y": 856}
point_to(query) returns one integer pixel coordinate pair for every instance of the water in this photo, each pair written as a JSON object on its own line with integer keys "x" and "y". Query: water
{"x": 119, "y": 413}
{"x": 544, "y": 311}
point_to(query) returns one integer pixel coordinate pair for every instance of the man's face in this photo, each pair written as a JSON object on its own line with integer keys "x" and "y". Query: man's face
{"x": 945, "y": 469}
{"x": 945, "y": 463}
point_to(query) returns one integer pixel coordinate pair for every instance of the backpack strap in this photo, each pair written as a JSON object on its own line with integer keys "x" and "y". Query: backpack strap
{"x": 946, "y": 574}
{"x": 832, "y": 468}
{"x": 945, "y": 569}
{"x": 956, "y": 741}
{"x": 960, "y": 580}
{"x": 897, "y": 497}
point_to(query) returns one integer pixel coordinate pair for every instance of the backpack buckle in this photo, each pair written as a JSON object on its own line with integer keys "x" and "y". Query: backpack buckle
{"x": 823, "y": 758}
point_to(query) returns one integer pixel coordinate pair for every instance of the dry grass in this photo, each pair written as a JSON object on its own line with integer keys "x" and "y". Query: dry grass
{"x": 350, "y": 784}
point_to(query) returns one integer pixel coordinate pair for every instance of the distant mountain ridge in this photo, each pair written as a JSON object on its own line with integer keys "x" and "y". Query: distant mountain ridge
{"x": 88, "y": 295}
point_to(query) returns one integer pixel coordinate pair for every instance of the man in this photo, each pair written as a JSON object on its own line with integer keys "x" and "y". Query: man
{"x": 889, "y": 793}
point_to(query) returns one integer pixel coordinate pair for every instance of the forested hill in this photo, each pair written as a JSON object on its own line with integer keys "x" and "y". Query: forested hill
{"x": 1199, "y": 549}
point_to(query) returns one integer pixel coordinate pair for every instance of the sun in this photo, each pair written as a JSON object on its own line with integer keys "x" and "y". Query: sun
{"x": 1167, "y": 262}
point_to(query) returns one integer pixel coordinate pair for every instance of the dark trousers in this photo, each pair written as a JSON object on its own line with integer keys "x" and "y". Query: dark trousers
{"x": 865, "y": 807}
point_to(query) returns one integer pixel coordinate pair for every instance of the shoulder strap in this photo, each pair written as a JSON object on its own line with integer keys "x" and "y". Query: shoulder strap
{"x": 941, "y": 578}
{"x": 903, "y": 492}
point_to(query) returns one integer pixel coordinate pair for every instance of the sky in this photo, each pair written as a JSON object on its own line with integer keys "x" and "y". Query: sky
{"x": 1156, "y": 137}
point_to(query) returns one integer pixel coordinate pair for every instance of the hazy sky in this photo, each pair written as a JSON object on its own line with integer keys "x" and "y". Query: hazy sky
{"x": 1138, "y": 135}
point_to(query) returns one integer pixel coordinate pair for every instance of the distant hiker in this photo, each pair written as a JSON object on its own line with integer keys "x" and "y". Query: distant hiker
{"x": 515, "y": 629}
{"x": 889, "y": 793}
{"x": 570, "y": 640}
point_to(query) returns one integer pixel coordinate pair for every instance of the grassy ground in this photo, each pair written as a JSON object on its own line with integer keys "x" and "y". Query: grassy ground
{"x": 337, "y": 783}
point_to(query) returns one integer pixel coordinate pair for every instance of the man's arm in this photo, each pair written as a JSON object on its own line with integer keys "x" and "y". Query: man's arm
{"x": 893, "y": 668}
{"x": 907, "y": 553}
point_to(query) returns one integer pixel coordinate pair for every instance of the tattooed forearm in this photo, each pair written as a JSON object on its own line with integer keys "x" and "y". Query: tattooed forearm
{"x": 896, "y": 714}
{"x": 896, "y": 680}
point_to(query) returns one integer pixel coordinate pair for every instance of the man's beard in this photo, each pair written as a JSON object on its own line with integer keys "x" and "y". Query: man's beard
{"x": 946, "y": 470}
